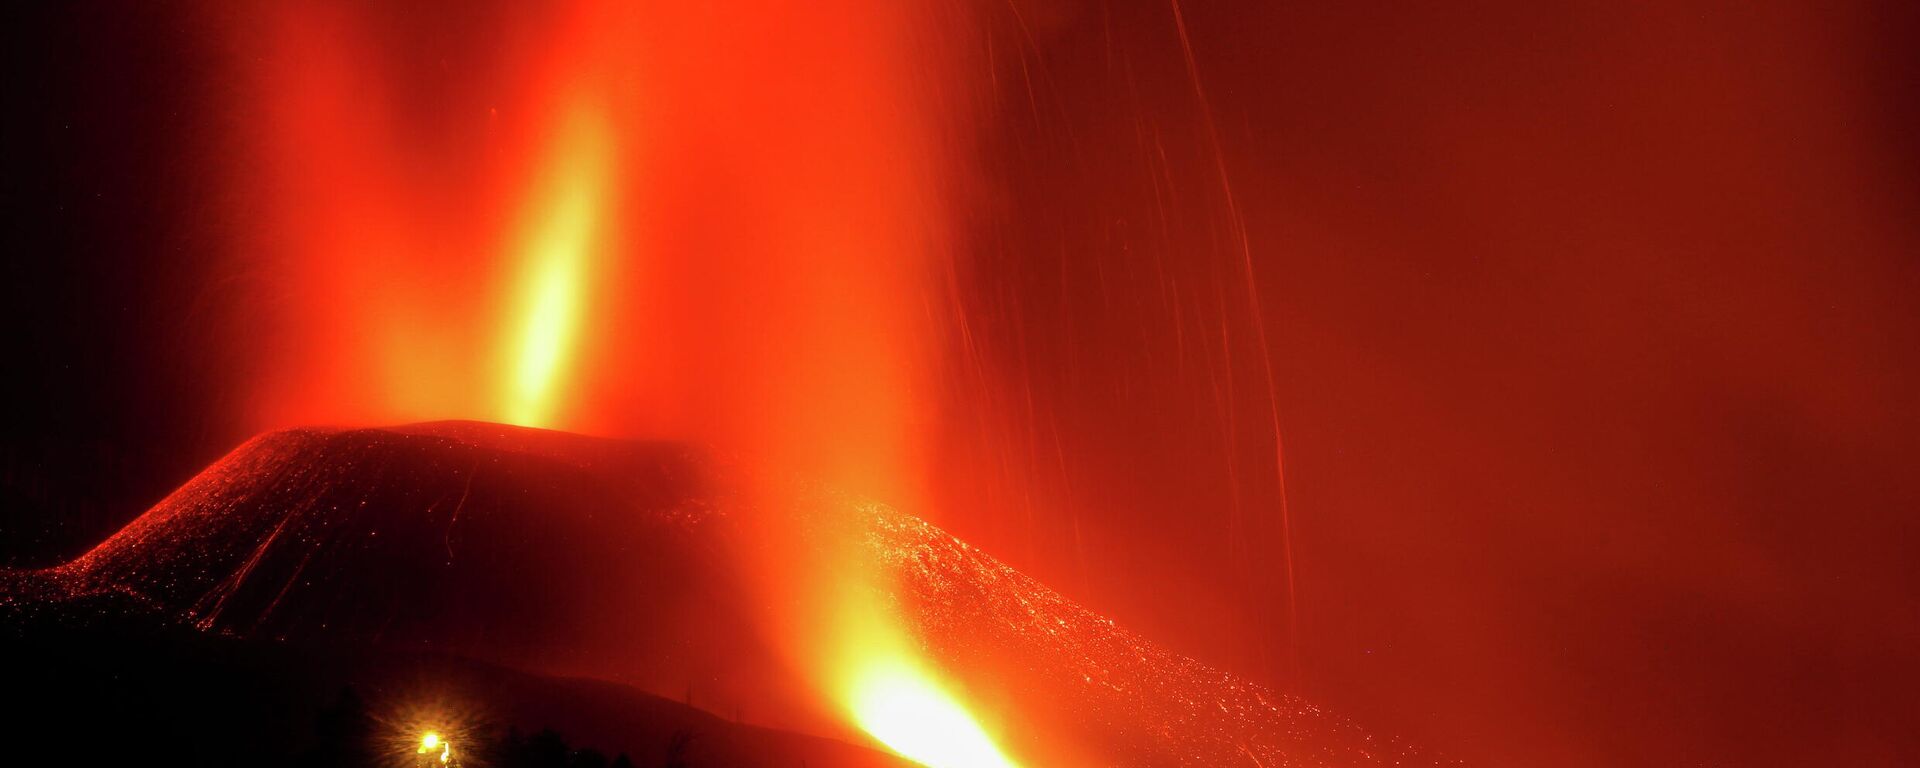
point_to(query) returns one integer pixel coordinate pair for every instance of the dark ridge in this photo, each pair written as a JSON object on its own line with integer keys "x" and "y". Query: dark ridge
{"x": 564, "y": 555}
{"x": 116, "y": 691}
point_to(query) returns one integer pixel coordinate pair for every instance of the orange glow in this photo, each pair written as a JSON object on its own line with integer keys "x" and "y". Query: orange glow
{"x": 565, "y": 219}
{"x": 454, "y": 222}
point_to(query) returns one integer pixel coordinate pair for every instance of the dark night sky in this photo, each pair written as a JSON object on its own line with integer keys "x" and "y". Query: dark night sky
{"x": 1593, "y": 329}
{"x": 114, "y": 407}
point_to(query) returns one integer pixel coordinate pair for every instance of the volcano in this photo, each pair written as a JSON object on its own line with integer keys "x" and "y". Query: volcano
{"x": 564, "y": 555}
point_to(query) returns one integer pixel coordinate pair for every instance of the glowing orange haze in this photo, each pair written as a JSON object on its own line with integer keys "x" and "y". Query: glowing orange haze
{"x": 661, "y": 220}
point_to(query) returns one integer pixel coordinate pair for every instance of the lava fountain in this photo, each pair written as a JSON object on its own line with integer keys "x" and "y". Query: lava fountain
{"x": 705, "y": 223}
{"x": 564, "y": 219}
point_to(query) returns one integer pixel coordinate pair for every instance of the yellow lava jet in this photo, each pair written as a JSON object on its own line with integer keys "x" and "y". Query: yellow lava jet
{"x": 565, "y": 223}
{"x": 894, "y": 695}
{"x": 901, "y": 705}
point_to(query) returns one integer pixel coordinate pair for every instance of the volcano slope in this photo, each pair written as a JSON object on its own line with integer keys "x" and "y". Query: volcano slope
{"x": 566, "y": 555}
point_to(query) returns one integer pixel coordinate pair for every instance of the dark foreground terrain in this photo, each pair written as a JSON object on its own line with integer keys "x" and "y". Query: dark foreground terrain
{"x": 104, "y": 687}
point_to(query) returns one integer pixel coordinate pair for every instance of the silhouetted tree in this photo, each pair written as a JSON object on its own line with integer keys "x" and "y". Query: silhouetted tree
{"x": 677, "y": 749}
{"x": 544, "y": 749}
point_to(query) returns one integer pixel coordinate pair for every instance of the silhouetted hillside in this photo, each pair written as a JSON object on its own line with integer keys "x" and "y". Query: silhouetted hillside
{"x": 116, "y": 690}
{"x": 565, "y": 555}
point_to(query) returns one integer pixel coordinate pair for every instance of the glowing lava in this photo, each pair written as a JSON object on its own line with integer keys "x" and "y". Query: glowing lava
{"x": 561, "y": 237}
{"x": 892, "y": 692}
{"x": 902, "y": 706}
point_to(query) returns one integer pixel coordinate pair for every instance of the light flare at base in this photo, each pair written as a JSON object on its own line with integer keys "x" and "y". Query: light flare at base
{"x": 431, "y": 744}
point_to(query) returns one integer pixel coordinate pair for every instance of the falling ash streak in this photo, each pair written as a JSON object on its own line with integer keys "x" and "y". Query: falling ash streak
{"x": 465, "y": 493}
{"x": 285, "y": 587}
{"x": 227, "y": 587}
{"x": 1238, "y": 223}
